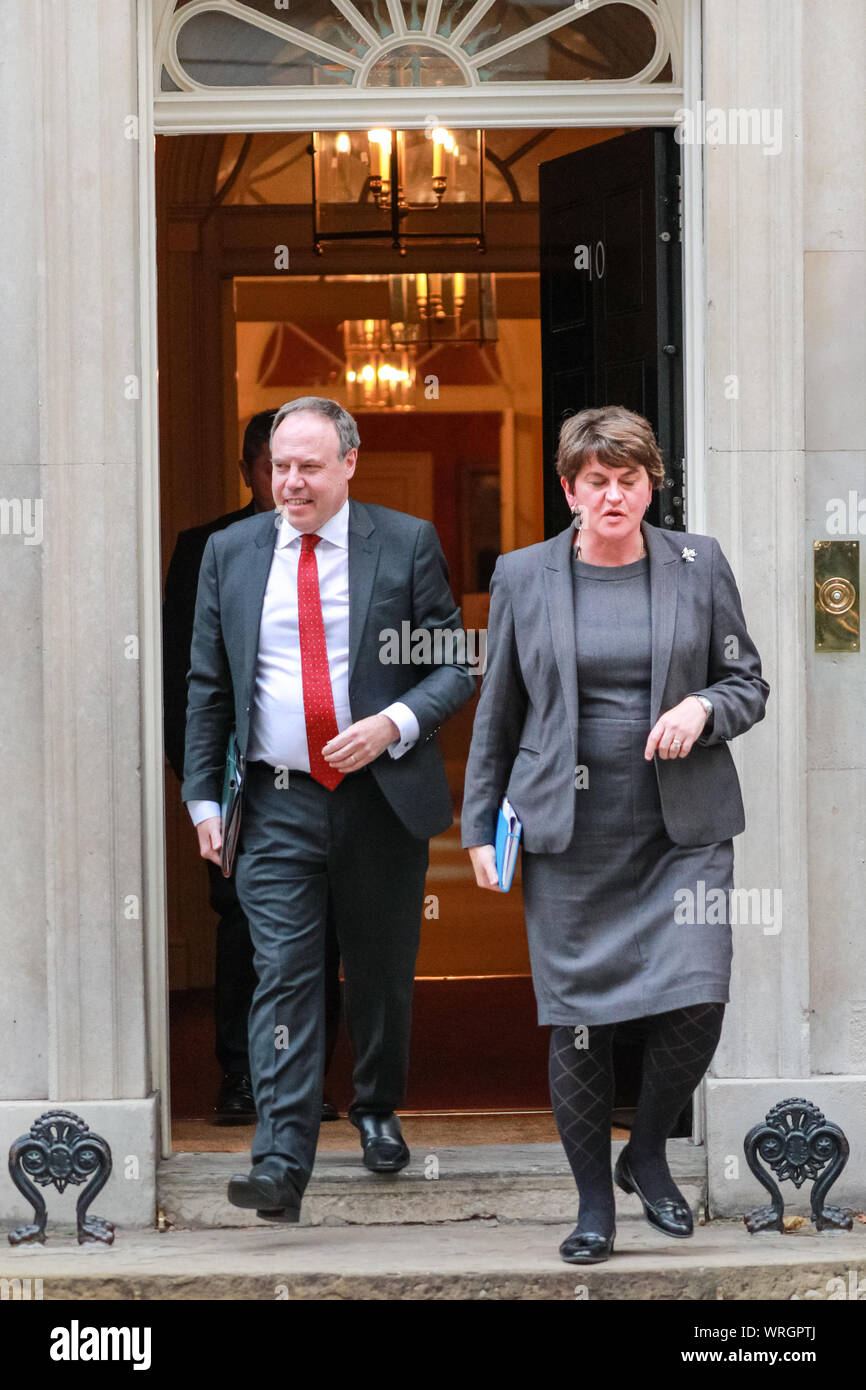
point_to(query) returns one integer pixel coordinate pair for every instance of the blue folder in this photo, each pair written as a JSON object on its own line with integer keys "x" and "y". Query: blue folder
{"x": 508, "y": 832}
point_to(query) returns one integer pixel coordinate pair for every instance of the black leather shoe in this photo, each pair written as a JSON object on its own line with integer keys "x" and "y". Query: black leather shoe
{"x": 329, "y": 1110}
{"x": 270, "y": 1194}
{"x": 385, "y": 1149}
{"x": 288, "y": 1215}
{"x": 668, "y": 1216}
{"x": 235, "y": 1103}
{"x": 586, "y": 1247}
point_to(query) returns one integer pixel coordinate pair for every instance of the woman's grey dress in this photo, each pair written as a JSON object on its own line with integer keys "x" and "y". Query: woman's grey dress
{"x": 605, "y": 918}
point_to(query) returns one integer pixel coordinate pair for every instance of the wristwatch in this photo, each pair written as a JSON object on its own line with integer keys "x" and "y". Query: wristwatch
{"x": 708, "y": 708}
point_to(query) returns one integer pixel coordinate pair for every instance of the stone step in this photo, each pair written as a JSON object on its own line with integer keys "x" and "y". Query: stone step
{"x": 505, "y": 1182}
{"x": 467, "y": 1260}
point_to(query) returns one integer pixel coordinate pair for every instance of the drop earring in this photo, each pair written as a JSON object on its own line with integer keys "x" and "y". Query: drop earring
{"x": 576, "y": 523}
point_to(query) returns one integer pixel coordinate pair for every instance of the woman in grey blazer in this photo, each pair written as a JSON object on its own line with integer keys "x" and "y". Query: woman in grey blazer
{"x": 619, "y": 667}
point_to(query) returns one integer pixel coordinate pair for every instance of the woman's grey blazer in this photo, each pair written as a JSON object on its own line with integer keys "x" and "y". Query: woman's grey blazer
{"x": 525, "y": 740}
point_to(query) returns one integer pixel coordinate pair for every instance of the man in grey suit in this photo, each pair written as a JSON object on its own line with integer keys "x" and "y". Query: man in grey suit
{"x": 344, "y": 780}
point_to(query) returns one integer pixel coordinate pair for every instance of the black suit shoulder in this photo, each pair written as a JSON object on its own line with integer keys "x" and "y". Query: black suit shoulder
{"x": 178, "y": 615}
{"x": 193, "y": 540}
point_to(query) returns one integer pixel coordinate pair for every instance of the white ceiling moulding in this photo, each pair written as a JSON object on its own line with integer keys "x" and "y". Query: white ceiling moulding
{"x": 548, "y": 104}
{"x": 198, "y": 107}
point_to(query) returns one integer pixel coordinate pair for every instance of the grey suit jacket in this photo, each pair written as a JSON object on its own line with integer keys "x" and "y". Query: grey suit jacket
{"x": 525, "y": 741}
{"x": 397, "y": 573}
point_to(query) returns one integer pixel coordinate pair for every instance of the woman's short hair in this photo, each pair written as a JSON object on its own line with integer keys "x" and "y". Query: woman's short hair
{"x": 617, "y": 437}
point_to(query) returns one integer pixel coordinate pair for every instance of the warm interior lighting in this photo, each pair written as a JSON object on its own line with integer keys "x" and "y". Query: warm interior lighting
{"x": 382, "y": 138}
{"x": 442, "y": 307}
{"x": 369, "y": 184}
{"x": 442, "y": 140}
{"x": 389, "y": 373}
{"x": 378, "y": 374}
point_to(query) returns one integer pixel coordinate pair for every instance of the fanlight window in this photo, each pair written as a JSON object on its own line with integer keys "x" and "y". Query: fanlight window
{"x": 212, "y": 44}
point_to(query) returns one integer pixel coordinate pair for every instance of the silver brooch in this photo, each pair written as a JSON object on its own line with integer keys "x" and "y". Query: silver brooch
{"x": 689, "y": 554}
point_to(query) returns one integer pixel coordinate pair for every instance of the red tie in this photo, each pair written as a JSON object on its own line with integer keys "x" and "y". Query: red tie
{"x": 315, "y": 671}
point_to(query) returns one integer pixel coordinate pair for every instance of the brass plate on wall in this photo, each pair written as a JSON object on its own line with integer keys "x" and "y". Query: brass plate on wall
{"x": 837, "y": 596}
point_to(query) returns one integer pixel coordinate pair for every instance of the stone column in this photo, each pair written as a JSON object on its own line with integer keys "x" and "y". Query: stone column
{"x": 835, "y": 389}
{"x": 72, "y": 992}
{"x": 759, "y": 340}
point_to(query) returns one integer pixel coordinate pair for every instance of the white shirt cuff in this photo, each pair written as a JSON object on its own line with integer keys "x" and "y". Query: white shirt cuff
{"x": 407, "y": 723}
{"x": 201, "y": 810}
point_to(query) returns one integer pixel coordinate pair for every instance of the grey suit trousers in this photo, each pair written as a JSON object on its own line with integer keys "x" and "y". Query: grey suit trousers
{"x": 309, "y": 856}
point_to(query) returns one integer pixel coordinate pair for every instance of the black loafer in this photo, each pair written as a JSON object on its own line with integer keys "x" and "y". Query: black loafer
{"x": 271, "y": 1195}
{"x": 586, "y": 1247}
{"x": 668, "y": 1216}
{"x": 235, "y": 1103}
{"x": 329, "y": 1110}
{"x": 385, "y": 1149}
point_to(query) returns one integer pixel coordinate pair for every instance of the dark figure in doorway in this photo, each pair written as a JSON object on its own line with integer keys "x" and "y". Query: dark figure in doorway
{"x": 235, "y": 977}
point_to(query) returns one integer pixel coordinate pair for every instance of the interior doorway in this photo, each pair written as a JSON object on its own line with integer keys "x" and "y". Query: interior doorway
{"x": 236, "y": 338}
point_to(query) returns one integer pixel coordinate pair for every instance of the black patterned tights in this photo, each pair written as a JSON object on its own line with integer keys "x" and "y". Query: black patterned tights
{"x": 679, "y": 1048}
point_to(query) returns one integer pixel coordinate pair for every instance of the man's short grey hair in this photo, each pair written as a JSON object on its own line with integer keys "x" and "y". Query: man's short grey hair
{"x": 343, "y": 422}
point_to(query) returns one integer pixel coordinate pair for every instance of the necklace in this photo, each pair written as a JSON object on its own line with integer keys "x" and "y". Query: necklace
{"x": 577, "y": 555}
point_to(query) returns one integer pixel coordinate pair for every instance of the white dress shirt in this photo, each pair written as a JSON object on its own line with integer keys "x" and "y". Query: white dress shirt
{"x": 278, "y": 726}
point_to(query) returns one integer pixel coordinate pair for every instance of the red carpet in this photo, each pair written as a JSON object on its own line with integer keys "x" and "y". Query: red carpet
{"x": 475, "y": 1046}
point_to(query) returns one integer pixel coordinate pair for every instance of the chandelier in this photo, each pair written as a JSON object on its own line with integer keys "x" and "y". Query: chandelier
{"x": 409, "y": 186}
{"x": 442, "y": 308}
{"x": 378, "y": 372}
{"x": 426, "y": 311}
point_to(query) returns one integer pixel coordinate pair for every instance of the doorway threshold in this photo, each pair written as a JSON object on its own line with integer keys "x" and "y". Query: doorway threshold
{"x": 519, "y": 1181}
{"x": 422, "y": 1129}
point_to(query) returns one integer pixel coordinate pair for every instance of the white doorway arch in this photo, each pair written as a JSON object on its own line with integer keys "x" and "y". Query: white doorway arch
{"x": 345, "y": 72}
{"x": 171, "y": 102}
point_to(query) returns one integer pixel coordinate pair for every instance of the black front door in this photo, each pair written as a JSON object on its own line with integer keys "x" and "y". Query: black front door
{"x": 611, "y": 299}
